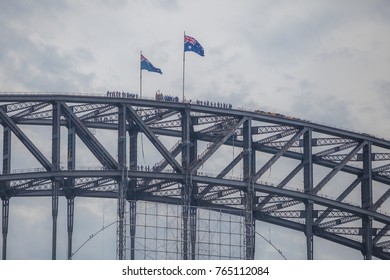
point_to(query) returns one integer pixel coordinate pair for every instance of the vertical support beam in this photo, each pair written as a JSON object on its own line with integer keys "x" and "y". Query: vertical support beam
{"x": 189, "y": 189}
{"x": 308, "y": 189}
{"x": 133, "y": 226}
{"x": 122, "y": 182}
{"x": 249, "y": 166}
{"x": 70, "y": 219}
{"x": 71, "y": 158}
{"x": 367, "y": 201}
{"x": 4, "y": 225}
{"x": 6, "y": 150}
{"x": 186, "y": 192}
{"x": 4, "y": 188}
{"x": 193, "y": 209}
{"x": 55, "y": 149}
{"x": 132, "y": 189}
{"x": 71, "y": 163}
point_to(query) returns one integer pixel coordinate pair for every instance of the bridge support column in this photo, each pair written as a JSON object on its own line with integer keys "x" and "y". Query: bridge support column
{"x": 185, "y": 196}
{"x": 308, "y": 189}
{"x": 55, "y": 149}
{"x": 69, "y": 186}
{"x": 4, "y": 225}
{"x": 122, "y": 182}
{"x": 70, "y": 219}
{"x": 249, "y": 200}
{"x": 367, "y": 203}
{"x": 3, "y": 191}
{"x": 189, "y": 214}
{"x": 193, "y": 203}
{"x": 132, "y": 190}
{"x": 54, "y": 212}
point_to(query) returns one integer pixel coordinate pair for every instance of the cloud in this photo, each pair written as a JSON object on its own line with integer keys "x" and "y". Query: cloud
{"x": 40, "y": 66}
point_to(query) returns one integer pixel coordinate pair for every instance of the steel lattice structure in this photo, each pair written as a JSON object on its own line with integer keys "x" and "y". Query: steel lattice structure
{"x": 197, "y": 135}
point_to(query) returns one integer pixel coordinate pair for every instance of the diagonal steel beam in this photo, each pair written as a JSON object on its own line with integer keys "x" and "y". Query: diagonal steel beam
{"x": 225, "y": 171}
{"x": 281, "y": 185}
{"x": 89, "y": 139}
{"x": 269, "y": 163}
{"x": 336, "y": 169}
{"x": 25, "y": 140}
{"x": 343, "y": 195}
{"x": 381, "y": 233}
{"x": 153, "y": 139}
{"x": 381, "y": 200}
{"x": 213, "y": 147}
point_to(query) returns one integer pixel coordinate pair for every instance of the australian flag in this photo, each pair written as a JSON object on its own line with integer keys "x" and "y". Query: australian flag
{"x": 191, "y": 45}
{"x": 146, "y": 65}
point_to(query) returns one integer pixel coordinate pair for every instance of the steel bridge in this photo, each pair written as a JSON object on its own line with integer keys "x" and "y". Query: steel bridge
{"x": 332, "y": 183}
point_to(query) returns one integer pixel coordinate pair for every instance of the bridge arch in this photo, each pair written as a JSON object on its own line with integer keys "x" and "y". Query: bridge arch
{"x": 329, "y": 182}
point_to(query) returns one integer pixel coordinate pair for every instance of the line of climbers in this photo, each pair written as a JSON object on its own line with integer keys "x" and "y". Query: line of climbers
{"x": 121, "y": 94}
{"x": 214, "y": 104}
{"x": 159, "y": 96}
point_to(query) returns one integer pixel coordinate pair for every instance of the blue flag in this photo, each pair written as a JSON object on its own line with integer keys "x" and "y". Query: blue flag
{"x": 191, "y": 45}
{"x": 146, "y": 65}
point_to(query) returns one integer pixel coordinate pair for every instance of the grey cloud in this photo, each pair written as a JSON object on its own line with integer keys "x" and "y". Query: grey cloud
{"x": 383, "y": 88}
{"x": 38, "y": 66}
{"x": 322, "y": 109}
{"x": 26, "y": 10}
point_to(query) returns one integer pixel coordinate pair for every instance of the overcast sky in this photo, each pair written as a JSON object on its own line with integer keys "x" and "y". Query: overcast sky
{"x": 326, "y": 61}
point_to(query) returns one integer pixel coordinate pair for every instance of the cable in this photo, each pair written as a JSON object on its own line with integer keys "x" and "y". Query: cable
{"x": 277, "y": 250}
{"x": 92, "y": 236}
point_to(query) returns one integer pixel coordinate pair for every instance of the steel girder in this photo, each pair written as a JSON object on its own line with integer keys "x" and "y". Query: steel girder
{"x": 253, "y": 133}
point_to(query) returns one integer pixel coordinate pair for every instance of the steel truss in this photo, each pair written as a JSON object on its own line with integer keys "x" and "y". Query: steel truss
{"x": 317, "y": 155}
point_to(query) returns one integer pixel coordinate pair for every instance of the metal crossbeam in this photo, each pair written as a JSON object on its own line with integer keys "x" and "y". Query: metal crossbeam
{"x": 301, "y": 214}
{"x": 381, "y": 168}
{"x": 316, "y": 142}
{"x": 96, "y": 112}
{"x": 269, "y": 140}
{"x": 19, "y": 106}
{"x": 30, "y": 110}
{"x": 335, "y": 149}
{"x": 268, "y": 129}
{"x": 354, "y": 231}
{"x": 358, "y": 157}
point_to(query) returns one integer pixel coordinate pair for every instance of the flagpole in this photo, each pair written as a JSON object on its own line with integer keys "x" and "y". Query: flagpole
{"x": 140, "y": 76}
{"x": 184, "y": 63}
